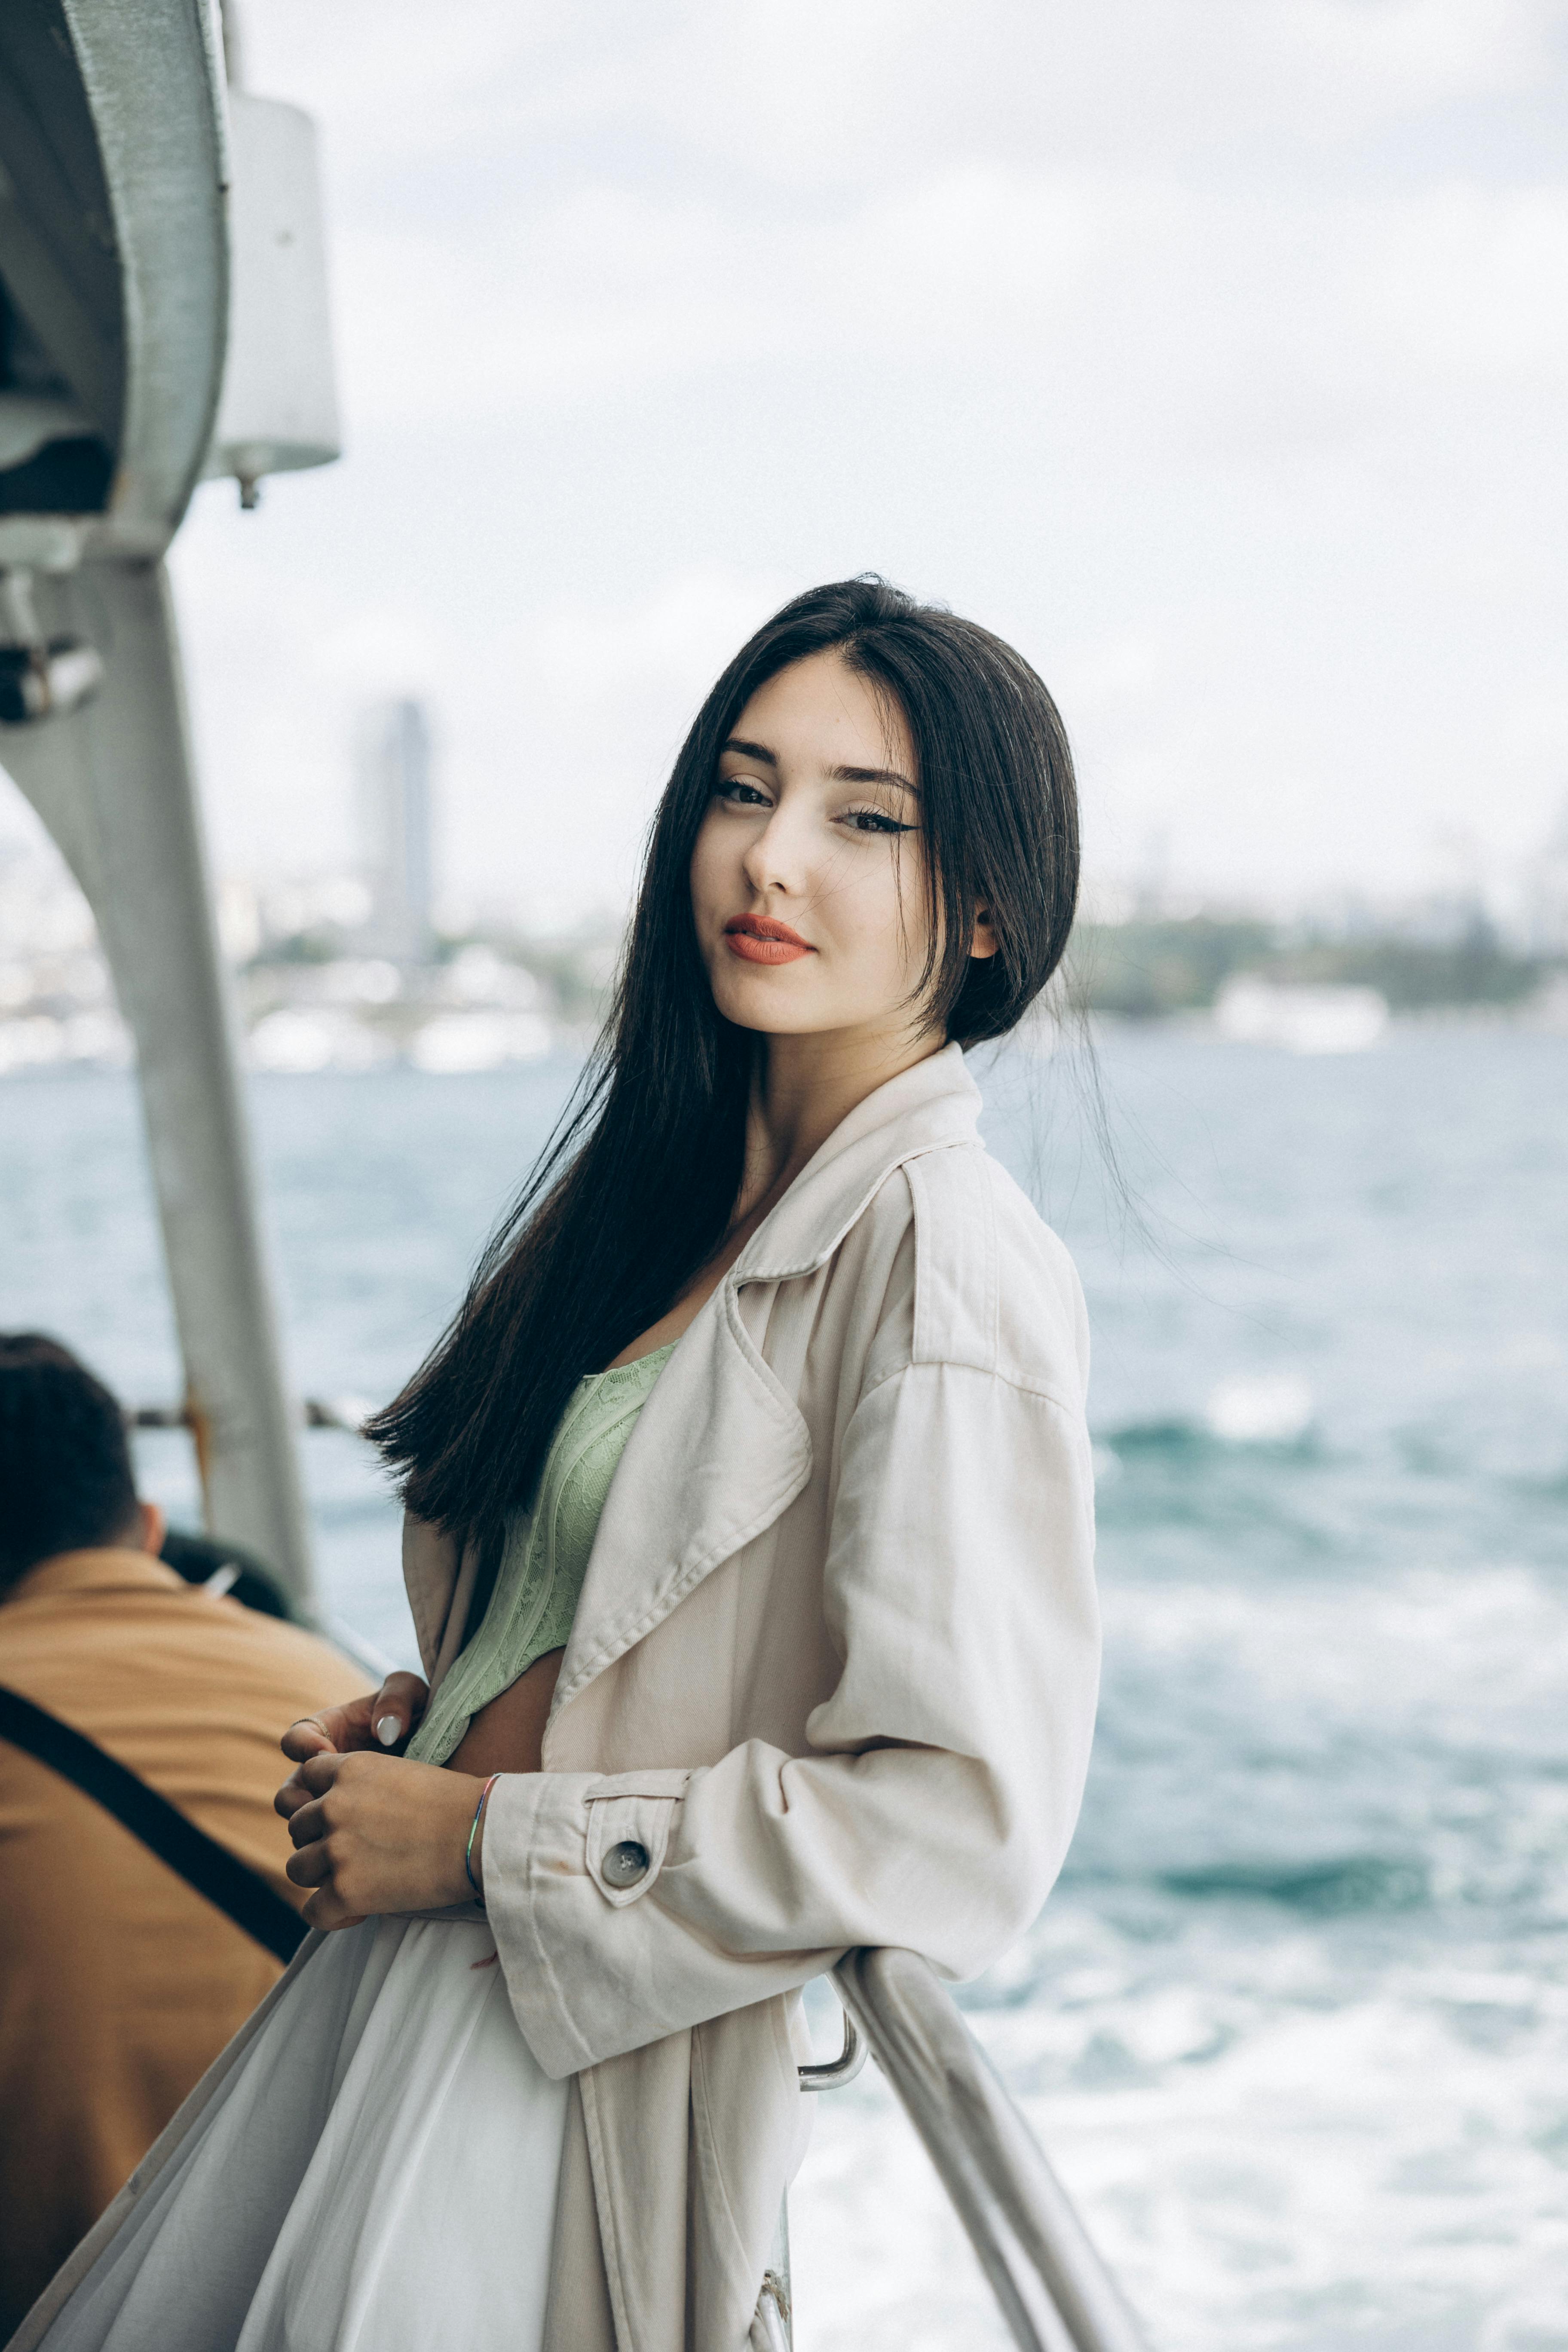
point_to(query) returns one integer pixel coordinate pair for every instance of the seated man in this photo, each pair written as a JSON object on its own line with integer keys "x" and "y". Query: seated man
{"x": 119, "y": 1983}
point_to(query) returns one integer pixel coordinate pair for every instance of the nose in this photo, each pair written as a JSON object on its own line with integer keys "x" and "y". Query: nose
{"x": 776, "y": 857}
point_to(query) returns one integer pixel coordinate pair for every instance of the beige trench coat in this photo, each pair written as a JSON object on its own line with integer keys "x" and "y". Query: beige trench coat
{"x": 834, "y": 1666}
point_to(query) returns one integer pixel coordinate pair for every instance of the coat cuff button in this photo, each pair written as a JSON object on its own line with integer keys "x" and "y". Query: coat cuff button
{"x": 624, "y": 1863}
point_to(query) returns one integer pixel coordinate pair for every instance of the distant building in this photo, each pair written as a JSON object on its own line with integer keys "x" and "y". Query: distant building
{"x": 393, "y": 799}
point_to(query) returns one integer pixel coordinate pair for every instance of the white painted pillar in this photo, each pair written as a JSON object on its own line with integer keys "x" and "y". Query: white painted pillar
{"x": 115, "y": 784}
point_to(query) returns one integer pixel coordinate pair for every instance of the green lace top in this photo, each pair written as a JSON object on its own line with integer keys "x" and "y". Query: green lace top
{"x": 545, "y": 1553}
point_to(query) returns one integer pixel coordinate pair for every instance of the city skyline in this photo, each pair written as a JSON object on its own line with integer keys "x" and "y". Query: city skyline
{"x": 387, "y": 879}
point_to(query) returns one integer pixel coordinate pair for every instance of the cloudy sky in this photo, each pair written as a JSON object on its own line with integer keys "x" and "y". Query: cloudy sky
{"x": 1216, "y": 352}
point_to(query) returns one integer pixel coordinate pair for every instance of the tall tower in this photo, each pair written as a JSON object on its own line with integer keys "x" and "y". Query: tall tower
{"x": 394, "y": 796}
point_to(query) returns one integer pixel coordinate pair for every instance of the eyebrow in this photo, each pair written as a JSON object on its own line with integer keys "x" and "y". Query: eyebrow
{"x": 761, "y": 754}
{"x": 873, "y": 776}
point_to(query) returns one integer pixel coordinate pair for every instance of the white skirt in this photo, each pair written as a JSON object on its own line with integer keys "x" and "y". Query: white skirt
{"x": 377, "y": 2175}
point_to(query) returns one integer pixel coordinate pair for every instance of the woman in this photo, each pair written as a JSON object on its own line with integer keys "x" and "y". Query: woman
{"x": 748, "y": 1544}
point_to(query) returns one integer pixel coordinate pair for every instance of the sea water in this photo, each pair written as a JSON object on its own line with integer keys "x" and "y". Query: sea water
{"x": 1294, "y": 2026}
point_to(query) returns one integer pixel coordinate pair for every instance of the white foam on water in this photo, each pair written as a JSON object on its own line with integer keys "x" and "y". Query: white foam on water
{"x": 1274, "y": 1409}
{"x": 1340, "y": 2174}
{"x": 1284, "y": 2128}
{"x": 879, "y": 2261}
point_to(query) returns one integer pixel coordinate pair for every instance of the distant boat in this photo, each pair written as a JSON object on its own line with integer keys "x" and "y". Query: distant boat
{"x": 1300, "y": 1019}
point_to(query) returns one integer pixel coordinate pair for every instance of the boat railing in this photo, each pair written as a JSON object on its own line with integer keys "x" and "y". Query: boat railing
{"x": 1055, "y": 2293}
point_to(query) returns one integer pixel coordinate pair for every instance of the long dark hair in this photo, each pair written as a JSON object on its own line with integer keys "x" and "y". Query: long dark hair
{"x": 637, "y": 1184}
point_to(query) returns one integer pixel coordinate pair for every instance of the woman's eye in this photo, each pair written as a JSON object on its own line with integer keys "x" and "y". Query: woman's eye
{"x": 874, "y": 821}
{"x": 740, "y": 794}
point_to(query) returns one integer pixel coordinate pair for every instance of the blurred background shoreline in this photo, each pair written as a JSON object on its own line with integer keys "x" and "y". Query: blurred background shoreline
{"x": 363, "y": 967}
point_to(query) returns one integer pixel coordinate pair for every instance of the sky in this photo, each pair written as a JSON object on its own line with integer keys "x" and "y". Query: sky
{"x": 1214, "y": 353}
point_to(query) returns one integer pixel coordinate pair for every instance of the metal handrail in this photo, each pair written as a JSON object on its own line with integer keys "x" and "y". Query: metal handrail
{"x": 1056, "y": 2294}
{"x": 836, "y": 2071}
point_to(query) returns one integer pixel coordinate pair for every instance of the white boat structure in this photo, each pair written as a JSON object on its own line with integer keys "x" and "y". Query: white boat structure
{"x": 163, "y": 320}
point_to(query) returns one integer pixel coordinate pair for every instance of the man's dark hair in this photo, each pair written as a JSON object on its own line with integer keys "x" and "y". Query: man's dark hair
{"x": 66, "y": 1482}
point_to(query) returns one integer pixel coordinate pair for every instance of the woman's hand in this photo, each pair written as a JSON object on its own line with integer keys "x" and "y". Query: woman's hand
{"x": 381, "y": 1721}
{"x": 376, "y": 1833}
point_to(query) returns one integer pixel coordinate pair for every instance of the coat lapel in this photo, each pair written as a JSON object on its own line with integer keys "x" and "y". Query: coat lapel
{"x": 721, "y": 1449}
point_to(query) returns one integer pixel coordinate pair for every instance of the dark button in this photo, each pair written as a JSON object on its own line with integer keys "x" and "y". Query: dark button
{"x": 626, "y": 1864}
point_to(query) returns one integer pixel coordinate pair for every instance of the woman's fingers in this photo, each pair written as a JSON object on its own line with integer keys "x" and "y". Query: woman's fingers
{"x": 383, "y": 1719}
{"x": 381, "y": 1833}
{"x": 311, "y": 1779}
{"x": 327, "y": 1909}
{"x": 312, "y": 1866}
{"x": 290, "y": 1797}
{"x": 308, "y": 1821}
{"x": 309, "y": 1737}
{"x": 342, "y": 1728}
{"x": 398, "y": 1707}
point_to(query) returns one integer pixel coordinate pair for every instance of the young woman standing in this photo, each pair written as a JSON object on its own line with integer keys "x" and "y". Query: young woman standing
{"x": 749, "y": 1549}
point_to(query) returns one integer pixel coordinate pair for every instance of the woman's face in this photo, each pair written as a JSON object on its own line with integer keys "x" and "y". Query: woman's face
{"x": 809, "y": 877}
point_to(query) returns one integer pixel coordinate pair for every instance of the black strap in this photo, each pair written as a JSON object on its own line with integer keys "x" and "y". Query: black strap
{"x": 237, "y": 1890}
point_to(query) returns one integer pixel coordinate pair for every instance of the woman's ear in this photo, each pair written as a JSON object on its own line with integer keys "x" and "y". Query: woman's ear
{"x": 984, "y": 943}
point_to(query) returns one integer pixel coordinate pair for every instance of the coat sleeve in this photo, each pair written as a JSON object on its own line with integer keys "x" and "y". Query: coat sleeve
{"x": 945, "y": 1772}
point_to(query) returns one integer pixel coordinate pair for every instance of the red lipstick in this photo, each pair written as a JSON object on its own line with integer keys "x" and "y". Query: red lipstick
{"x": 759, "y": 938}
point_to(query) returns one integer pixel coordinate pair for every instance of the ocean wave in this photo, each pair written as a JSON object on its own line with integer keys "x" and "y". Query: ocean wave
{"x": 1275, "y": 1417}
{"x": 1360, "y": 1881}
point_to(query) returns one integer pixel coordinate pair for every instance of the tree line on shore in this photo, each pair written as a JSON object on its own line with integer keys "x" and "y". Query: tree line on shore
{"x": 1152, "y": 966}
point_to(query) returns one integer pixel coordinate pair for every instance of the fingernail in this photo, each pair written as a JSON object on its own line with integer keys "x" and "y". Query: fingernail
{"x": 389, "y": 1730}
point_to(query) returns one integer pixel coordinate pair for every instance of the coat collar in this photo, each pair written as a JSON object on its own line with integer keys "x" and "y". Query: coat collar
{"x": 104, "y": 1568}
{"x": 934, "y": 1103}
{"x": 721, "y": 1448}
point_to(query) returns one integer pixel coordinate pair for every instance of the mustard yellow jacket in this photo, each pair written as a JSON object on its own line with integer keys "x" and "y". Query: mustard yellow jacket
{"x": 121, "y": 1983}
